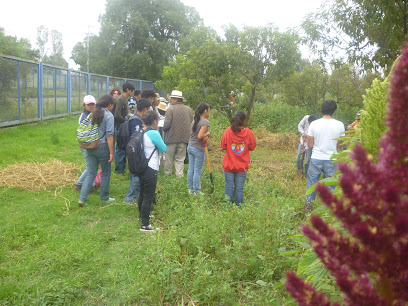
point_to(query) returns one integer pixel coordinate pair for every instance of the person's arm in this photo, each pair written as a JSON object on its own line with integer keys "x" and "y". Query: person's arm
{"x": 157, "y": 140}
{"x": 310, "y": 141}
{"x": 224, "y": 141}
{"x": 109, "y": 140}
{"x": 167, "y": 120}
{"x": 119, "y": 110}
{"x": 252, "y": 143}
{"x": 301, "y": 126}
{"x": 203, "y": 133}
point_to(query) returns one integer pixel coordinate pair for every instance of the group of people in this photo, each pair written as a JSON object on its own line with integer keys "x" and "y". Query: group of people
{"x": 170, "y": 129}
{"x": 318, "y": 143}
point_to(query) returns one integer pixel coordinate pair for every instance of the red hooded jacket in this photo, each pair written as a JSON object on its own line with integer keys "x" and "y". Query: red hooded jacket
{"x": 237, "y": 146}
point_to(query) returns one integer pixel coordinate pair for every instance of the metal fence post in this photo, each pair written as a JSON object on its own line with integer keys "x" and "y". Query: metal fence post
{"x": 18, "y": 90}
{"x": 107, "y": 85}
{"x": 40, "y": 90}
{"x": 140, "y": 85}
{"x": 68, "y": 91}
{"x": 55, "y": 90}
{"x": 88, "y": 83}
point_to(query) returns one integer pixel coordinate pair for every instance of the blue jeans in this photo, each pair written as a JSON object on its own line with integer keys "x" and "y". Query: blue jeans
{"x": 237, "y": 179}
{"x": 134, "y": 188}
{"x": 81, "y": 179}
{"x": 120, "y": 158}
{"x": 300, "y": 158}
{"x": 196, "y": 162}
{"x": 316, "y": 168}
{"x": 93, "y": 158}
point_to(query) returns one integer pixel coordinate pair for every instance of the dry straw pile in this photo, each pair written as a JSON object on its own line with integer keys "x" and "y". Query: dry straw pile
{"x": 278, "y": 141}
{"x": 36, "y": 176}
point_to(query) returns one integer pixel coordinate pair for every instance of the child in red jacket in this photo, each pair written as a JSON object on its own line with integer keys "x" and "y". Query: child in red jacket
{"x": 237, "y": 141}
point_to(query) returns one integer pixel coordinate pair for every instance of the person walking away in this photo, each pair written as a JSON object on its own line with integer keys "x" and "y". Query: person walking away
{"x": 121, "y": 111}
{"x": 89, "y": 106}
{"x": 237, "y": 141}
{"x": 303, "y": 126}
{"x": 195, "y": 148}
{"x": 177, "y": 126}
{"x": 135, "y": 124}
{"x": 152, "y": 143}
{"x": 103, "y": 154}
{"x": 306, "y": 150}
{"x": 321, "y": 137}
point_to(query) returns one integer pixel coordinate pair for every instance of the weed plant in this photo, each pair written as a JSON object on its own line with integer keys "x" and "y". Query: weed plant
{"x": 206, "y": 251}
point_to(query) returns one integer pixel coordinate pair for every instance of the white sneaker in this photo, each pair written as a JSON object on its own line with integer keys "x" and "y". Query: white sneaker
{"x": 190, "y": 191}
{"x": 148, "y": 229}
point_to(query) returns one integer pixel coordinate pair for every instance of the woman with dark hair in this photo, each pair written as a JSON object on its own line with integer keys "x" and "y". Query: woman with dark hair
{"x": 237, "y": 141}
{"x": 103, "y": 154}
{"x": 195, "y": 149}
{"x": 115, "y": 93}
{"x": 152, "y": 142}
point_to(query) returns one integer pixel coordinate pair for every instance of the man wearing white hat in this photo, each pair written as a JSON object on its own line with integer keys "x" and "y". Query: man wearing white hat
{"x": 177, "y": 127}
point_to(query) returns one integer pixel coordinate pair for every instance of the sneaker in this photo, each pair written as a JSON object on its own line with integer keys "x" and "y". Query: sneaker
{"x": 77, "y": 188}
{"x": 110, "y": 200}
{"x": 82, "y": 204}
{"x": 190, "y": 191}
{"x": 148, "y": 229}
{"x": 199, "y": 193}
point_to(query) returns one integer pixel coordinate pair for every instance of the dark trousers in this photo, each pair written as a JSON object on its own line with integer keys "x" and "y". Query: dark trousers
{"x": 148, "y": 182}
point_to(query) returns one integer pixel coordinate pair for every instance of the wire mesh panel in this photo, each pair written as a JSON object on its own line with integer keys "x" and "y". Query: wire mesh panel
{"x": 98, "y": 86}
{"x": 147, "y": 85}
{"x": 78, "y": 90}
{"x": 115, "y": 83}
{"x": 8, "y": 89}
{"x": 28, "y": 91}
{"x": 49, "y": 87}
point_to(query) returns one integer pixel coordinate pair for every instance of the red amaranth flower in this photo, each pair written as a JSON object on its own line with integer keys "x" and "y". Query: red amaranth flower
{"x": 374, "y": 211}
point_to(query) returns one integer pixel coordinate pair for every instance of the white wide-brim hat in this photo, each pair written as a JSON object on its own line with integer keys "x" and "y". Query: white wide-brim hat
{"x": 176, "y": 94}
{"x": 162, "y": 106}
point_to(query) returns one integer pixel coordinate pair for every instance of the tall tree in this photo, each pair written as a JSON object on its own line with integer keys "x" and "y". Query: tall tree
{"x": 137, "y": 37}
{"x": 266, "y": 55}
{"x": 18, "y": 47}
{"x": 51, "y": 47}
{"x": 371, "y": 32}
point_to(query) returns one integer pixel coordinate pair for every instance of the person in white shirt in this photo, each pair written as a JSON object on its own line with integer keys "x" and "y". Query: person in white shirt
{"x": 303, "y": 126}
{"x": 305, "y": 151}
{"x": 321, "y": 137}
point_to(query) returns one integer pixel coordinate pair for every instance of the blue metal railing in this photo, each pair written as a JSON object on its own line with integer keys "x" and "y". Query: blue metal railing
{"x": 31, "y": 91}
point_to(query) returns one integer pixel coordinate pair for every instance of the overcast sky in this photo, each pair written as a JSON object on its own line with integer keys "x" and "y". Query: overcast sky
{"x": 74, "y": 18}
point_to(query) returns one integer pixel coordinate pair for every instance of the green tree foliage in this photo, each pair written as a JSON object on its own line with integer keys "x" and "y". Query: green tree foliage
{"x": 13, "y": 46}
{"x": 204, "y": 74}
{"x": 137, "y": 38}
{"x": 373, "y": 116}
{"x": 266, "y": 55}
{"x": 370, "y": 31}
{"x": 306, "y": 88}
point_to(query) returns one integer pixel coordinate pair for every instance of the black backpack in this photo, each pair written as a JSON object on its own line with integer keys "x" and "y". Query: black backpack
{"x": 137, "y": 161}
{"x": 124, "y": 133}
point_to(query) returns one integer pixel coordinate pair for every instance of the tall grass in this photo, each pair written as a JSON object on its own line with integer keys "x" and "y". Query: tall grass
{"x": 53, "y": 252}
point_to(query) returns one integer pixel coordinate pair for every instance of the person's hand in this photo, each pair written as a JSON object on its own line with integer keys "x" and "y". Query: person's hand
{"x": 304, "y": 135}
{"x": 206, "y": 135}
{"x": 110, "y": 158}
{"x": 303, "y": 150}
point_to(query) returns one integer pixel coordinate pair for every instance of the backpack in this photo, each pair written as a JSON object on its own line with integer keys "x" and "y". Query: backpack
{"x": 87, "y": 134}
{"x": 123, "y": 136}
{"x": 137, "y": 161}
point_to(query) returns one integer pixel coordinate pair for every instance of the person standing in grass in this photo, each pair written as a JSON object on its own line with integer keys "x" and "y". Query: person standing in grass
{"x": 237, "y": 141}
{"x": 321, "y": 137}
{"x": 195, "y": 149}
{"x": 177, "y": 125}
{"x": 121, "y": 111}
{"x": 152, "y": 143}
{"x": 89, "y": 106}
{"x": 103, "y": 154}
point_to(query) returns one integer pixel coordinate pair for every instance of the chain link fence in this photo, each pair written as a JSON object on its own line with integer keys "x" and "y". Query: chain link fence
{"x": 31, "y": 91}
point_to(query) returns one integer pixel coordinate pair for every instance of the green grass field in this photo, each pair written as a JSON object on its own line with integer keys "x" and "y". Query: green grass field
{"x": 206, "y": 253}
